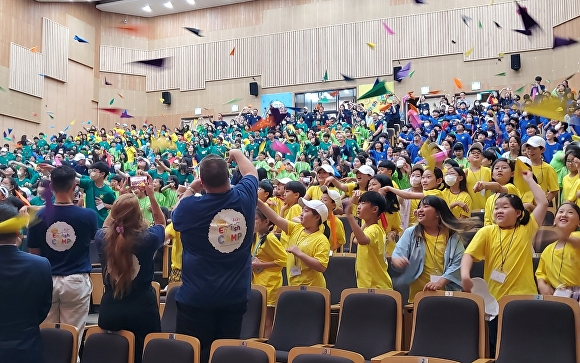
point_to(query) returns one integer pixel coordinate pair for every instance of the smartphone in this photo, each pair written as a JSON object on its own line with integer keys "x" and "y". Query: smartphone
{"x": 138, "y": 181}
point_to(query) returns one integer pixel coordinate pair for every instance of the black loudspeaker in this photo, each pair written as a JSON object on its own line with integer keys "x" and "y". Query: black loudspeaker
{"x": 516, "y": 62}
{"x": 166, "y": 98}
{"x": 254, "y": 89}
{"x": 396, "y": 70}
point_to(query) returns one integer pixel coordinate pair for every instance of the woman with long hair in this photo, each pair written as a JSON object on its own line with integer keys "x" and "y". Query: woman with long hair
{"x": 126, "y": 248}
{"x": 429, "y": 254}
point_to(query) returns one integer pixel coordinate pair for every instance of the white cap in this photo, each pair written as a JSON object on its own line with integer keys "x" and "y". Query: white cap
{"x": 289, "y": 162}
{"x": 4, "y": 191}
{"x": 4, "y": 149}
{"x": 283, "y": 180}
{"x": 365, "y": 169}
{"x": 124, "y": 125}
{"x": 333, "y": 194}
{"x": 327, "y": 168}
{"x": 525, "y": 160}
{"x": 536, "y": 141}
{"x": 316, "y": 205}
{"x": 140, "y": 158}
{"x": 79, "y": 157}
{"x": 26, "y": 191}
{"x": 271, "y": 161}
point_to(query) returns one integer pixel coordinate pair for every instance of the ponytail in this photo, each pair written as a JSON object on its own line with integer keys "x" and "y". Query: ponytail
{"x": 119, "y": 252}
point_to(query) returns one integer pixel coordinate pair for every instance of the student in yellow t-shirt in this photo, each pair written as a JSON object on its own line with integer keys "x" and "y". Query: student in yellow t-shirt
{"x": 431, "y": 180}
{"x": 291, "y": 209}
{"x": 371, "y": 265}
{"x": 457, "y": 196}
{"x": 408, "y": 206}
{"x": 268, "y": 258}
{"x": 559, "y": 264}
{"x": 336, "y": 234}
{"x": 363, "y": 176}
{"x": 544, "y": 172}
{"x": 322, "y": 174}
{"x": 429, "y": 254}
{"x": 392, "y": 216}
{"x": 266, "y": 194}
{"x": 477, "y": 173}
{"x": 506, "y": 246}
{"x": 176, "y": 252}
{"x": 502, "y": 177}
{"x": 570, "y": 179}
{"x": 308, "y": 247}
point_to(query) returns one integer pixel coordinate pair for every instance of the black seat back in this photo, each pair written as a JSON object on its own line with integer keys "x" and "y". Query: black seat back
{"x": 238, "y": 354}
{"x": 105, "y": 347}
{"x": 57, "y": 345}
{"x": 340, "y": 274}
{"x": 253, "y": 316}
{"x": 168, "y": 320}
{"x": 168, "y": 350}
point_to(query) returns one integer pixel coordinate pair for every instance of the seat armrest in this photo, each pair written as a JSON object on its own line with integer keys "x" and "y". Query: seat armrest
{"x": 484, "y": 360}
{"x": 335, "y": 307}
{"x": 394, "y": 353}
{"x": 260, "y": 340}
{"x": 322, "y": 346}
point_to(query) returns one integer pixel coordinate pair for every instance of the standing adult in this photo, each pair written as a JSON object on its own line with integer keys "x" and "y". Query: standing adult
{"x": 217, "y": 232}
{"x": 63, "y": 236}
{"x": 26, "y": 283}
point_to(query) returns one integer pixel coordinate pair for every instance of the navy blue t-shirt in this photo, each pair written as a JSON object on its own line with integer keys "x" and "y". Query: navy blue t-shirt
{"x": 217, "y": 233}
{"x": 64, "y": 238}
{"x": 143, "y": 268}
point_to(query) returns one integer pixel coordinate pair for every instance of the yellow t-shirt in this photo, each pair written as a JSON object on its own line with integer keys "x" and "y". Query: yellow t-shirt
{"x": 351, "y": 189}
{"x": 314, "y": 245}
{"x": 547, "y": 177}
{"x": 490, "y": 203}
{"x": 315, "y": 193}
{"x": 434, "y": 260}
{"x": 130, "y": 151}
{"x": 176, "y": 246}
{"x": 394, "y": 221}
{"x": 271, "y": 278}
{"x": 278, "y": 203}
{"x": 414, "y": 206}
{"x": 290, "y": 214}
{"x": 435, "y": 192}
{"x": 371, "y": 268}
{"x": 567, "y": 184}
{"x": 559, "y": 266}
{"x": 478, "y": 199}
{"x": 463, "y": 197}
{"x": 340, "y": 233}
{"x": 571, "y": 196}
{"x": 513, "y": 249}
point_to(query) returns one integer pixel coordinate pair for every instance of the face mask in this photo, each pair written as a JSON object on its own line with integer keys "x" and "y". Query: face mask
{"x": 450, "y": 180}
{"x": 369, "y": 162}
{"x": 400, "y": 163}
{"x": 425, "y": 112}
{"x": 306, "y": 180}
{"x": 117, "y": 166}
{"x": 427, "y": 124}
{"x": 415, "y": 181}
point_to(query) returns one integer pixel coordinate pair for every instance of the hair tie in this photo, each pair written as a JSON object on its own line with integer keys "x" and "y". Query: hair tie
{"x": 119, "y": 229}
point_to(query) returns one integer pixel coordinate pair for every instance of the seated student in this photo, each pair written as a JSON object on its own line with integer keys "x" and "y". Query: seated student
{"x": 291, "y": 209}
{"x": 506, "y": 247}
{"x": 459, "y": 151}
{"x": 307, "y": 244}
{"x": 457, "y": 196}
{"x": 337, "y": 235}
{"x": 558, "y": 272}
{"x": 371, "y": 265}
{"x": 392, "y": 216}
{"x": 545, "y": 174}
{"x": 475, "y": 173}
{"x": 268, "y": 258}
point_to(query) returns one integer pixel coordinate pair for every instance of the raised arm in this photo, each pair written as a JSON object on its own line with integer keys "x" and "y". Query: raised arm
{"x": 361, "y": 237}
{"x": 272, "y": 216}
{"x": 539, "y": 197}
{"x": 244, "y": 164}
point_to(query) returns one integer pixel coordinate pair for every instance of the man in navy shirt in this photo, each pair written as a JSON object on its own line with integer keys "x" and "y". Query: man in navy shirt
{"x": 63, "y": 237}
{"x": 217, "y": 231}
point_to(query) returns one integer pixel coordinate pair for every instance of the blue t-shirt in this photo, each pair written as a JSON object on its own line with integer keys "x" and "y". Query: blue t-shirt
{"x": 143, "y": 268}
{"x": 413, "y": 151}
{"x": 550, "y": 151}
{"x": 64, "y": 238}
{"x": 464, "y": 139}
{"x": 217, "y": 233}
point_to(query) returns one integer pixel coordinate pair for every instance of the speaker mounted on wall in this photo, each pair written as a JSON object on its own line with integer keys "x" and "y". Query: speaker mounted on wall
{"x": 166, "y": 98}
{"x": 516, "y": 62}
{"x": 396, "y": 70}
{"x": 254, "y": 89}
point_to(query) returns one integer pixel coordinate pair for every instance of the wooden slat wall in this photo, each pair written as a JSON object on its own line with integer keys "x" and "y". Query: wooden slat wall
{"x": 303, "y": 56}
{"x": 25, "y": 70}
{"x": 55, "y": 44}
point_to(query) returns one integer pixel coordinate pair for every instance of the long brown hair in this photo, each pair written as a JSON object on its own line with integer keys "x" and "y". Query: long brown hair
{"x": 121, "y": 236}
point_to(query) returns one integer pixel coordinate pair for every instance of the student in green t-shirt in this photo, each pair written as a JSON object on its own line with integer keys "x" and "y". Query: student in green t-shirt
{"x": 161, "y": 171}
{"x": 99, "y": 196}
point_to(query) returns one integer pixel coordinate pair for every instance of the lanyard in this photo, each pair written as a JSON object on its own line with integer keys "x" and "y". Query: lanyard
{"x": 434, "y": 249}
{"x": 504, "y": 256}
{"x": 561, "y": 261}
{"x": 259, "y": 244}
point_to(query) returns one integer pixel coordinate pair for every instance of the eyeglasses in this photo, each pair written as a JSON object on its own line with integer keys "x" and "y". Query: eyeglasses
{"x": 569, "y": 161}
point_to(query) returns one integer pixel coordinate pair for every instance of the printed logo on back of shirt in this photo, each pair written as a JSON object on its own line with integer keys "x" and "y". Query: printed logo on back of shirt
{"x": 227, "y": 230}
{"x": 60, "y": 236}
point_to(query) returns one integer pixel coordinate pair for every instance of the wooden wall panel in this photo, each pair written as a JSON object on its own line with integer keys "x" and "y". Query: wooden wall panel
{"x": 55, "y": 44}
{"x": 26, "y": 69}
{"x": 81, "y": 52}
{"x": 118, "y": 60}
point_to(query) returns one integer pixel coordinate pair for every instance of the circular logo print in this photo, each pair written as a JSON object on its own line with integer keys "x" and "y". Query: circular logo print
{"x": 227, "y": 230}
{"x": 60, "y": 236}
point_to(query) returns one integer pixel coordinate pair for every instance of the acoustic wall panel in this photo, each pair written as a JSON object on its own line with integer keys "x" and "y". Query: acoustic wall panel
{"x": 55, "y": 44}
{"x": 26, "y": 69}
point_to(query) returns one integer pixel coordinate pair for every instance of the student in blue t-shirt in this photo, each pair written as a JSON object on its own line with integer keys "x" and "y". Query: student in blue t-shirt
{"x": 552, "y": 145}
{"x": 463, "y": 138}
{"x": 63, "y": 236}
{"x": 217, "y": 230}
{"x": 413, "y": 149}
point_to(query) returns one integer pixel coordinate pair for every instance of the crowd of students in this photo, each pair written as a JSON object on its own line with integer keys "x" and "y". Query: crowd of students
{"x": 407, "y": 196}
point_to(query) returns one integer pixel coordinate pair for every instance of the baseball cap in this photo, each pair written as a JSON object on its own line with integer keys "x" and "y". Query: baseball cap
{"x": 327, "y": 168}
{"x": 365, "y": 169}
{"x": 288, "y": 162}
{"x": 4, "y": 191}
{"x": 283, "y": 181}
{"x": 536, "y": 141}
{"x": 476, "y": 146}
{"x": 271, "y": 161}
{"x": 333, "y": 194}
{"x": 316, "y": 205}
{"x": 140, "y": 158}
{"x": 79, "y": 157}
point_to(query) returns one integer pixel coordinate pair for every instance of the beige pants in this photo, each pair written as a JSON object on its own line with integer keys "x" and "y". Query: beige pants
{"x": 71, "y": 299}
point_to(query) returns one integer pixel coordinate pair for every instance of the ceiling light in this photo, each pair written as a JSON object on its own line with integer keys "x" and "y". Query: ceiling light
{"x": 192, "y": 2}
{"x": 168, "y": 5}
{"x": 146, "y": 8}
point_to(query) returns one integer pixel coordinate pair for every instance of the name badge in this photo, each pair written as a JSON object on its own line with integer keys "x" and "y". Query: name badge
{"x": 498, "y": 276}
{"x": 434, "y": 278}
{"x": 563, "y": 292}
{"x": 295, "y": 271}
{"x": 482, "y": 192}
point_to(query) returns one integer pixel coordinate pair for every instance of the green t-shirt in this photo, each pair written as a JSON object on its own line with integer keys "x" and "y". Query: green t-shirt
{"x": 105, "y": 193}
{"x": 156, "y": 175}
{"x": 144, "y": 204}
{"x": 182, "y": 178}
{"x": 170, "y": 198}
